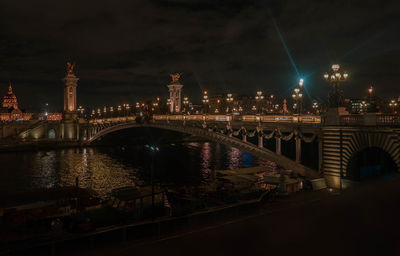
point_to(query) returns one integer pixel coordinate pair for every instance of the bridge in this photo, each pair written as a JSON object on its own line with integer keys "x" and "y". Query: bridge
{"x": 337, "y": 145}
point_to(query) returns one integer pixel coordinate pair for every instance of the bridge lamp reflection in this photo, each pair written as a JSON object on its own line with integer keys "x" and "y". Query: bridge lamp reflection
{"x": 153, "y": 148}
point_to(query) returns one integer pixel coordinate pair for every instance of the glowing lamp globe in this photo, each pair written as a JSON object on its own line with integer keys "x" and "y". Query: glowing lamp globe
{"x": 335, "y": 67}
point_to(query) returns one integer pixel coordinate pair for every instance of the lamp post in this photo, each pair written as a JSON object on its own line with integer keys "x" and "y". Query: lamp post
{"x": 111, "y": 112}
{"x": 259, "y": 99}
{"x": 229, "y": 100}
{"x": 372, "y": 105}
{"x": 185, "y": 104}
{"x": 218, "y": 106}
{"x": 254, "y": 109}
{"x": 155, "y": 106}
{"x": 128, "y": 111}
{"x": 315, "y": 107}
{"x": 105, "y": 112}
{"x": 271, "y": 103}
{"x": 297, "y": 97}
{"x": 205, "y": 101}
{"x": 335, "y": 77}
{"x": 119, "y": 110}
{"x": 80, "y": 111}
{"x": 169, "y": 105}
{"x": 393, "y": 105}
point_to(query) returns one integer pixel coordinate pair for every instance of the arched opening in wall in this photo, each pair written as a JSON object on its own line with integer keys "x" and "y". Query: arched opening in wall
{"x": 52, "y": 134}
{"x": 371, "y": 162}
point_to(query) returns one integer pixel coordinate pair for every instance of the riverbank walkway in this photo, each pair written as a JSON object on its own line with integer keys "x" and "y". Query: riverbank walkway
{"x": 360, "y": 221}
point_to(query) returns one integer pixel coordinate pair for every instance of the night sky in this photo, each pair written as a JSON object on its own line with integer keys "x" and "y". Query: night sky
{"x": 125, "y": 50}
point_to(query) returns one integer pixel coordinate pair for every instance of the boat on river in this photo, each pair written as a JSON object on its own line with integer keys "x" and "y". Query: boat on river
{"x": 136, "y": 200}
{"x": 46, "y": 203}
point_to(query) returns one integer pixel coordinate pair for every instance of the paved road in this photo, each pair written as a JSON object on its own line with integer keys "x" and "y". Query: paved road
{"x": 362, "y": 221}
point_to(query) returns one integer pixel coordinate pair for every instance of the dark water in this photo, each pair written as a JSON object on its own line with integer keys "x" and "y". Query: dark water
{"x": 105, "y": 168}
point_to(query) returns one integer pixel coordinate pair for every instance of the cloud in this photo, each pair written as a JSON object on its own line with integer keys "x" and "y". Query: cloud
{"x": 128, "y": 48}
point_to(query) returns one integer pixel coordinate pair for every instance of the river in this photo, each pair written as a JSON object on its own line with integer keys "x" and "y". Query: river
{"x": 105, "y": 168}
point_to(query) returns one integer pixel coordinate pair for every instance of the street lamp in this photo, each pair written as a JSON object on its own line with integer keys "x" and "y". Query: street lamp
{"x": 315, "y": 107}
{"x": 205, "y": 101}
{"x": 259, "y": 98}
{"x": 111, "y": 111}
{"x": 169, "y": 105}
{"x": 155, "y": 106}
{"x": 104, "y": 112}
{"x": 335, "y": 77}
{"x": 393, "y": 105}
{"x": 229, "y": 100}
{"x": 80, "y": 110}
{"x": 297, "y": 97}
{"x": 185, "y": 104}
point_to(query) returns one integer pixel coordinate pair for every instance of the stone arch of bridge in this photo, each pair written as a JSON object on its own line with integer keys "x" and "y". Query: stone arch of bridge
{"x": 217, "y": 137}
{"x": 370, "y": 162}
{"x": 383, "y": 143}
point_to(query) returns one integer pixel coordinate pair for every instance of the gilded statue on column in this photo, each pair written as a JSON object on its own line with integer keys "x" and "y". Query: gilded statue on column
{"x": 175, "y": 77}
{"x": 70, "y": 68}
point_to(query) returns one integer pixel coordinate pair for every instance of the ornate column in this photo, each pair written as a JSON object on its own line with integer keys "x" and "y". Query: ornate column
{"x": 175, "y": 91}
{"x": 244, "y": 134}
{"x": 62, "y": 131}
{"x": 77, "y": 131}
{"x": 298, "y": 147}
{"x": 278, "y": 142}
{"x": 229, "y": 129}
{"x": 259, "y": 131}
{"x": 70, "y": 84}
{"x": 260, "y": 141}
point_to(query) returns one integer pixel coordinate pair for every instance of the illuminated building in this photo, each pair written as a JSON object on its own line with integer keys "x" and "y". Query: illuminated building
{"x": 10, "y": 110}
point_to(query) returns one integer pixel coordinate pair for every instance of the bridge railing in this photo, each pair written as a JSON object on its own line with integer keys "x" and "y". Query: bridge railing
{"x": 113, "y": 119}
{"x": 244, "y": 118}
{"x": 387, "y": 120}
{"x": 370, "y": 119}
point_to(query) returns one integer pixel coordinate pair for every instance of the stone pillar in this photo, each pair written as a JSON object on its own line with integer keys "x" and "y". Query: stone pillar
{"x": 260, "y": 141}
{"x": 77, "y": 131}
{"x": 278, "y": 142}
{"x": 61, "y": 130}
{"x": 175, "y": 91}
{"x": 298, "y": 149}
{"x": 70, "y": 84}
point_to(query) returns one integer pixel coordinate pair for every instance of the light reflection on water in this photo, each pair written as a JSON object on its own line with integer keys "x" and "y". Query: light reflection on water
{"x": 107, "y": 168}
